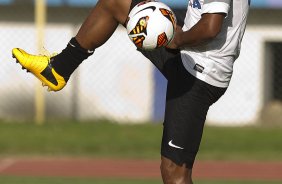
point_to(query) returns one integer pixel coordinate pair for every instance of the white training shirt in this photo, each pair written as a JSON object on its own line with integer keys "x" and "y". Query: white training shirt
{"x": 213, "y": 62}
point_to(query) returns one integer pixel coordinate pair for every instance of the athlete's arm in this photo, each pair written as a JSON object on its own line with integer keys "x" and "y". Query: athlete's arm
{"x": 205, "y": 30}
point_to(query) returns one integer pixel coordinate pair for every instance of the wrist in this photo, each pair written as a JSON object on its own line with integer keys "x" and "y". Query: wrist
{"x": 179, "y": 40}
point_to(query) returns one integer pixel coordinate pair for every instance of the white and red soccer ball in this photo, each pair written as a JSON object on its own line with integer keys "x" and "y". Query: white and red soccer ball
{"x": 150, "y": 25}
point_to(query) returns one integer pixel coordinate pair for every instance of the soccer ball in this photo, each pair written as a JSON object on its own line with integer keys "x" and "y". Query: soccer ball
{"x": 150, "y": 25}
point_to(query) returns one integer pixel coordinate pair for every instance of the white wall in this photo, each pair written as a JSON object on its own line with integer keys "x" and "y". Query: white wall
{"x": 114, "y": 83}
{"x": 117, "y": 82}
{"x": 17, "y": 88}
{"x": 243, "y": 101}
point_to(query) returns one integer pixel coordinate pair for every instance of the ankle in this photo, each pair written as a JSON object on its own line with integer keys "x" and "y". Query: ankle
{"x": 70, "y": 58}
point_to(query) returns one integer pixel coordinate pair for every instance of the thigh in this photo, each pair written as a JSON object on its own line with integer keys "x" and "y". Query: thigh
{"x": 187, "y": 104}
{"x": 163, "y": 59}
{"x": 102, "y": 22}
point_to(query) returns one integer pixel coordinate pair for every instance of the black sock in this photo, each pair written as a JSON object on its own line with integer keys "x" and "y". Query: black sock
{"x": 70, "y": 58}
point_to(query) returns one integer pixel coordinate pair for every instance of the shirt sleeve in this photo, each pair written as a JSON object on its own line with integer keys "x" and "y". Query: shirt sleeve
{"x": 216, "y": 6}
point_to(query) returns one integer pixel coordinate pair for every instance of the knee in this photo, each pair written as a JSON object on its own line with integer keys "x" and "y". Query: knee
{"x": 165, "y": 170}
{"x": 118, "y": 9}
{"x": 174, "y": 174}
{"x": 108, "y": 5}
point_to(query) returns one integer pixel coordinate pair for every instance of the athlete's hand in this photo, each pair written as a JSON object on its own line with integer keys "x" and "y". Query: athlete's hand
{"x": 176, "y": 41}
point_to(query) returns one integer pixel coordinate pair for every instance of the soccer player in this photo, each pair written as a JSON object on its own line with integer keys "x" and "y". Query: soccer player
{"x": 197, "y": 64}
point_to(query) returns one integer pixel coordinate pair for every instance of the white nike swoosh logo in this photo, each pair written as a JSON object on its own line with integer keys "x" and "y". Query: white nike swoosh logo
{"x": 153, "y": 8}
{"x": 88, "y": 51}
{"x": 174, "y": 146}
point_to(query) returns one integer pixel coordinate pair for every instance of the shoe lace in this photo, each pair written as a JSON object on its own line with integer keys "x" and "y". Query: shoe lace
{"x": 45, "y": 52}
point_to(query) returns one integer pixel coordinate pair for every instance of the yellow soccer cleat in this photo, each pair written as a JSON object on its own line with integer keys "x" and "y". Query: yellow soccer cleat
{"x": 41, "y": 68}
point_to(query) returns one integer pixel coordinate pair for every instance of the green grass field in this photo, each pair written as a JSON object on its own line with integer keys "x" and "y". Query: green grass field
{"x": 133, "y": 141}
{"x": 30, "y": 180}
{"x": 102, "y": 139}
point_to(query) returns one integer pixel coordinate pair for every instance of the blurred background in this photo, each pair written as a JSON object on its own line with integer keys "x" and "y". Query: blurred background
{"x": 117, "y": 85}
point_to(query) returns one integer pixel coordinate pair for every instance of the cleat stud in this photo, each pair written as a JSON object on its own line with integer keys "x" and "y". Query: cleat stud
{"x": 13, "y": 56}
{"x": 17, "y": 61}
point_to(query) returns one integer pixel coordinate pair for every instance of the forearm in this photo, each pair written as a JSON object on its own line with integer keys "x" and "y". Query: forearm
{"x": 201, "y": 33}
{"x": 194, "y": 37}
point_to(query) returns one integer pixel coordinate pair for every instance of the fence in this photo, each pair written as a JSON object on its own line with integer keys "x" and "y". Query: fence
{"x": 119, "y": 84}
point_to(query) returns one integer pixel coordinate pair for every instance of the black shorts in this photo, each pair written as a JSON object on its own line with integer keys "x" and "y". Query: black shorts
{"x": 187, "y": 102}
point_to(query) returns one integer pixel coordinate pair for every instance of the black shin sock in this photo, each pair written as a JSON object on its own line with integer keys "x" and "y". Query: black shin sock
{"x": 70, "y": 58}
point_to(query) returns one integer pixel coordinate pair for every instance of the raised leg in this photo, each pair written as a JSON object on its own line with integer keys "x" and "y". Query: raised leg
{"x": 102, "y": 22}
{"x": 97, "y": 28}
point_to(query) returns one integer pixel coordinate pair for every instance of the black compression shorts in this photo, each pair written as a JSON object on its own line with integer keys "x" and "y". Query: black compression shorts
{"x": 187, "y": 102}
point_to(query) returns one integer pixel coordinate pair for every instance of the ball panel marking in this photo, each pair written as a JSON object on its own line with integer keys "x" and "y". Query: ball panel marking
{"x": 150, "y": 25}
{"x": 162, "y": 40}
